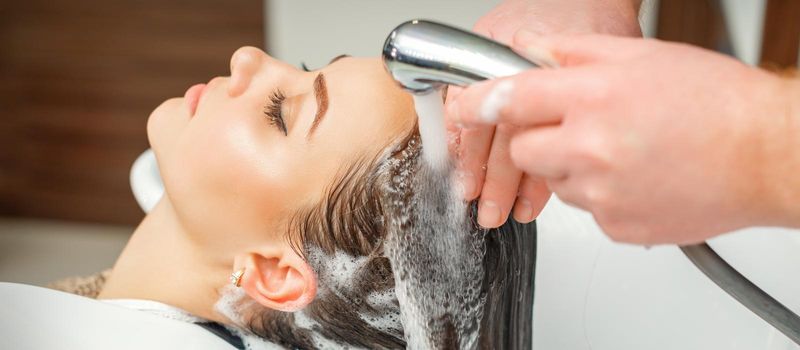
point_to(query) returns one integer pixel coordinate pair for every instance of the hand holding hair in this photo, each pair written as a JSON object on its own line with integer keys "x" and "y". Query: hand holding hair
{"x": 662, "y": 142}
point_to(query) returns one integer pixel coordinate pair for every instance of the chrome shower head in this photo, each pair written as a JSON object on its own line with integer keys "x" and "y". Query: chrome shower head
{"x": 422, "y": 56}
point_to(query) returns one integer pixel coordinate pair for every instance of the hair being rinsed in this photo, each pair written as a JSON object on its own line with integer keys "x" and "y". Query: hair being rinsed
{"x": 343, "y": 239}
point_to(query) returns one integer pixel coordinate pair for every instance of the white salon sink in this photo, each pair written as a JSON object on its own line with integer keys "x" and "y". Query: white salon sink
{"x": 592, "y": 293}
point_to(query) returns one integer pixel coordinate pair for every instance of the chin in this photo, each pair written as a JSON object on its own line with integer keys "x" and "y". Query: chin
{"x": 165, "y": 123}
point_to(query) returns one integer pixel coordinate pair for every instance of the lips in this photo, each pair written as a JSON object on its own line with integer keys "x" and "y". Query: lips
{"x": 192, "y": 97}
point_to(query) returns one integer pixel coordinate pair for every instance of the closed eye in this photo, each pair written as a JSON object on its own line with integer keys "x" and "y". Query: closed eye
{"x": 273, "y": 110}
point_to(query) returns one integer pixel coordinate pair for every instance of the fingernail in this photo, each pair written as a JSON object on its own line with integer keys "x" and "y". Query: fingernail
{"x": 467, "y": 184}
{"x": 523, "y": 210}
{"x": 488, "y": 214}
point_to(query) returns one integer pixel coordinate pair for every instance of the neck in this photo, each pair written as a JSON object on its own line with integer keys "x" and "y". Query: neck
{"x": 161, "y": 263}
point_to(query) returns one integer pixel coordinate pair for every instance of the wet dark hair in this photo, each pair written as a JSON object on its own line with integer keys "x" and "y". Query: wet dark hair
{"x": 351, "y": 220}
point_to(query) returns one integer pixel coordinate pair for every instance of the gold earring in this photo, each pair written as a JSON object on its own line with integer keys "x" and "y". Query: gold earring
{"x": 236, "y": 277}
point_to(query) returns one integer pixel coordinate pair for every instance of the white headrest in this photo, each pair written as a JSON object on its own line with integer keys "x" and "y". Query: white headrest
{"x": 40, "y": 318}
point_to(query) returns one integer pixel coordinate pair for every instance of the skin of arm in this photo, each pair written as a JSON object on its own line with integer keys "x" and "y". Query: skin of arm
{"x": 486, "y": 170}
{"x": 616, "y": 17}
{"x": 661, "y": 142}
{"x": 785, "y": 162}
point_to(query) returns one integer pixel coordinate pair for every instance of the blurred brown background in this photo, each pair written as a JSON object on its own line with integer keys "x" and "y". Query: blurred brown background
{"x": 702, "y": 23}
{"x": 78, "y": 80}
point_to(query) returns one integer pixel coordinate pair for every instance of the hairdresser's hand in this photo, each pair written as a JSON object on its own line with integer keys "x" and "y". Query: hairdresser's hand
{"x": 663, "y": 143}
{"x": 486, "y": 168}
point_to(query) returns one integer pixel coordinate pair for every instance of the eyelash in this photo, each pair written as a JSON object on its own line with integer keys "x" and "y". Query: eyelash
{"x": 273, "y": 110}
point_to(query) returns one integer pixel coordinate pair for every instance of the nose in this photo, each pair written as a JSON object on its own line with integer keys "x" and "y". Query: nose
{"x": 244, "y": 64}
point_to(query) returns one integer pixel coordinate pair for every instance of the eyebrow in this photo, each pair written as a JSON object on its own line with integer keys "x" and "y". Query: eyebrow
{"x": 338, "y": 58}
{"x": 321, "y": 94}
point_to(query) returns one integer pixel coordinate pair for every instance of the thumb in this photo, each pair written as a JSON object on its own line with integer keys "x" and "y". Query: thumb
{"x": 572, "y": 50}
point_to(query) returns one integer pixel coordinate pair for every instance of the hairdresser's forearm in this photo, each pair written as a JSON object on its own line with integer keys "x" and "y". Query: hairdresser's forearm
{"x": 783, "y": 161}
{"x": 615, "y": 17}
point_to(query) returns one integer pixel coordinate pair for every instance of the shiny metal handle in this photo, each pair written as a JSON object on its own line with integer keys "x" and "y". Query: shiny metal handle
{"x": 423, "y": 55}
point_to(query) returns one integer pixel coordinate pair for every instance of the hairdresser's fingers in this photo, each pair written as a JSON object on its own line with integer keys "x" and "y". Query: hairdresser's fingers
{"x": 533, "y": 97}
{"x": 565, "y": 190}
{"x": 473, "y": 153}
{"x": 540, "y": 152}
{"x": 453, "y": 130}
{"x": 453, "y": 140}
{"x": 502, "y": 181}
{"x": 565, "y": 197}
{"x": 531, "y": 199}
{"x": 452, "y": 93}
{"x": 542, "y": 96}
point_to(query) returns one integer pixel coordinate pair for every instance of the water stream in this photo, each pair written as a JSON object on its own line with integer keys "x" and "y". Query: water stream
{"x": 430, "y": 112}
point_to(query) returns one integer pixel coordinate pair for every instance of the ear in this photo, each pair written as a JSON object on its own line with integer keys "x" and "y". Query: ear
{"x": 279, "y": 279}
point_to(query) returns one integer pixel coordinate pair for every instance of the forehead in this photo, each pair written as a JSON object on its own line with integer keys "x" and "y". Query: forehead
{"x": 366, "y": 106}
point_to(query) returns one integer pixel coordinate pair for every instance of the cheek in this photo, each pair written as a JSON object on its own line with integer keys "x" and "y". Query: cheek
{"x": 230, "y": 173}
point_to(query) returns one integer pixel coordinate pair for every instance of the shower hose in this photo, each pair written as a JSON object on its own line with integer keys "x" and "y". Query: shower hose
{"x": 744, "y": 291}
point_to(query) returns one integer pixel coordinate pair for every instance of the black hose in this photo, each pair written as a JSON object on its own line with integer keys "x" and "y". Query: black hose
{"x": 744, "y": 291}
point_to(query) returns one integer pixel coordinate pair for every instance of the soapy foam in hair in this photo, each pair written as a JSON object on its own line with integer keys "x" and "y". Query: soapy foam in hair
{"x": 437, "y": 264}
{"x": 336, "y": 274}
{"x": 436, "y": 255}
{"x": 437, "y": 294}
{"x": 232, "y": 304}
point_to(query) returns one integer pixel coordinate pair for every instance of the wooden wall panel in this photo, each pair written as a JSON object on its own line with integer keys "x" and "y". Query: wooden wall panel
{"x": 78, "y": 80}
{"x": 697, "y": 22}
{"x": 781, "y": 36}
{"x": 701, "y": 23}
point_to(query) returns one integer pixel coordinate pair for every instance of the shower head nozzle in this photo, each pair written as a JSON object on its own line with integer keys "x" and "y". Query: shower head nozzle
{"x": 422, "y": 56}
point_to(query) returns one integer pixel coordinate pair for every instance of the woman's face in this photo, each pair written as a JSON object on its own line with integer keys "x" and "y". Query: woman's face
{"x": 233, "y": 168}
